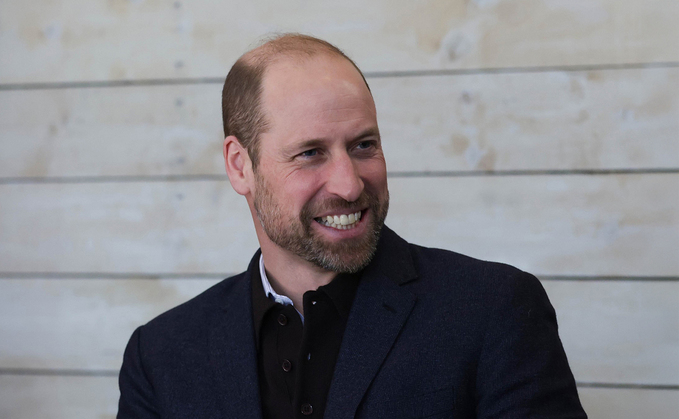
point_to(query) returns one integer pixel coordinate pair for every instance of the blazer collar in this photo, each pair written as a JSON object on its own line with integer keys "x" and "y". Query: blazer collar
{"x": 392, "y": 259}
{"x": 381, "y": 308}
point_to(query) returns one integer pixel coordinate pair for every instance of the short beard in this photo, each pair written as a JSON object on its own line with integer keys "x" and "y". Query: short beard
{"x": 298, "y": 237}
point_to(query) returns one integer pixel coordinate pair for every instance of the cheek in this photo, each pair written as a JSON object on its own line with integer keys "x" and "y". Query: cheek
{"x": 375, "y": 174}
{"x": 299, "y": 190}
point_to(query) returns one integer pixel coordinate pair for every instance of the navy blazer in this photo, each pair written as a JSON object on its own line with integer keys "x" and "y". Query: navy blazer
{"x": 431, "y": 334}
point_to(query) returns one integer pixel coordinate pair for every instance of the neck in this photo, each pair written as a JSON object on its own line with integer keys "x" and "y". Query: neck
{"x": 288, "y": 274}
{"x": 292, "y": 277}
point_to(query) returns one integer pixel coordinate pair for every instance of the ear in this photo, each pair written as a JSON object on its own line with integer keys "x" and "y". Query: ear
{"x": 238, "y": 165}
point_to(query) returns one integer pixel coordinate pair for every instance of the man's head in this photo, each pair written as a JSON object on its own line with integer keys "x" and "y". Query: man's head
{"x": 242, "y": 114}
{"x": 313, "y": 161}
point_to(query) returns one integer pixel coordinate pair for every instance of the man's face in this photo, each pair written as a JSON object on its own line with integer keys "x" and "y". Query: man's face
{"x": 321, "y": 182}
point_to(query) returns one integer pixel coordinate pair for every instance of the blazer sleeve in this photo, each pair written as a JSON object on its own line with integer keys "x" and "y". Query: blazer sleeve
{"x": 137, "y": 398}
{"x": 523, "y": 371}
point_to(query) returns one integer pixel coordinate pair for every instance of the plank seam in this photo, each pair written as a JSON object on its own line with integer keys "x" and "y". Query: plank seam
{"x": 536, "y": 172}
{"x": 212, "y": 275}
{"x": 607, "y": 278}
{"x": 629, "y": 386}
{"x": 368, "y": 74}
{"x": 392, "y": 174}
{"x": 515, "y": 70}
{"x": 114, "y": 373}
{"x": 113, "y": 275}
{"x": 58, "y": 372}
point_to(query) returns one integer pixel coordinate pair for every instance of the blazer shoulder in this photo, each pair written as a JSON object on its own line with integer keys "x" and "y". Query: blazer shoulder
{"x": 447, "y": 268}
{"x": 199, "y": 309}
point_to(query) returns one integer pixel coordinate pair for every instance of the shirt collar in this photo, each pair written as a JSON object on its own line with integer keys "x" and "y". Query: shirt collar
{"x": 268, "y": 289}
{"x": 271, "y": 293}
{"x": 341, "y": 291}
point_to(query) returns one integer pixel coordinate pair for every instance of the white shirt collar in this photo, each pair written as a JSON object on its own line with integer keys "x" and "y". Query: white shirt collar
{"x": 269, "y": 291}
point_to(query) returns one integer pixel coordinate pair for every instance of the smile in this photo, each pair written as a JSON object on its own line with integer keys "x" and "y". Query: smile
{"x": 340, "y": 222}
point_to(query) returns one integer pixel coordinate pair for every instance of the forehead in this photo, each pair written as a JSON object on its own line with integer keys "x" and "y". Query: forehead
{"x": 310, "y": 92}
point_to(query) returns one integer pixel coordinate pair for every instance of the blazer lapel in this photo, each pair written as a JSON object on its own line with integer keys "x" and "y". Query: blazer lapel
{"x": 233, "y": 355}
{"x": 380, "y": 309}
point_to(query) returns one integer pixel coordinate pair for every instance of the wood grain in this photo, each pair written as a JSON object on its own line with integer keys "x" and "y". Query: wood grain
{"x": 624, "y": 225}
{"x": 612, "y": 119}
{"x": 80, "y": 324}
{"x": 619, "y": 331}
{"x": 120, "y": 39}
{"x": 601, "y": 403}
{"x": 30, "y": 397}
{"x": 539, "y": 115}
{"x": 551, "y": 225}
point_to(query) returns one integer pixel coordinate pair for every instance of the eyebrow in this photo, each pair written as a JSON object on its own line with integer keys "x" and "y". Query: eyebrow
{"x": 370, "y": 132}
{"x": 318, "y": 142}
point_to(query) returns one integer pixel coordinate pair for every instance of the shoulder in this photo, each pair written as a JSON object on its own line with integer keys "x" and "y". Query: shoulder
{"x": 191, "y": 317}
{"x": 444, "y": 275}
{"x": 445, "y": 269}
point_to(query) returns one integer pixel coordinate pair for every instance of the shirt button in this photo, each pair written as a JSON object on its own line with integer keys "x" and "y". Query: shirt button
{"x": 307, "y": 409}
{"x": 287, "y": 365}
{"x": 282, "y": 320}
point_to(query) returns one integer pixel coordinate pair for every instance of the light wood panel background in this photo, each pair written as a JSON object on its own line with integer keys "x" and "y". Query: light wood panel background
{"x": 541, "y": 133}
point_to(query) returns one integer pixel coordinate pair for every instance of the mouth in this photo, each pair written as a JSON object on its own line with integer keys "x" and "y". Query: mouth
{"x": 340, "y": 221}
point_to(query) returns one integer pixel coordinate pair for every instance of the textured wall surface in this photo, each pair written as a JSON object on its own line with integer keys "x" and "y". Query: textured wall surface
{"x": 540, "y": 133}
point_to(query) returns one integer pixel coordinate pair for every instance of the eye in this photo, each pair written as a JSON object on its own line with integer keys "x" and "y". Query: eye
{"x": 365, "y": 145}
{"x": 309, "y": 153}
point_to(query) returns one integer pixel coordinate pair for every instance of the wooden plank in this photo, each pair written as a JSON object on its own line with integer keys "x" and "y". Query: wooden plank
{"x": 31, "y": 397}
{"x": 613, "y": 331}
{"x": 135, "y": 131}
{"x": 183, "y": 227}
{"x": 551, "y": 225}
{"x": 119, "y": 39}
{"x": 551, "y": 121}
{"x": 619, "y": 331}
{"x": 81, "y": 324}
{"x": 604, "y": 403}
{"x": 607, "y": 119}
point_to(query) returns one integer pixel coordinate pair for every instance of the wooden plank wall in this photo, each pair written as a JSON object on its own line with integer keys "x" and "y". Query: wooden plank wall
{"x": 541, "y": 133}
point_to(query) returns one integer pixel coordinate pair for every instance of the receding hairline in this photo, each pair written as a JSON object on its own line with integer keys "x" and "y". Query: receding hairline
{"x": 242, "y": 110}
{"x": 275, "y": 48}
{"x": 288, "y": 44}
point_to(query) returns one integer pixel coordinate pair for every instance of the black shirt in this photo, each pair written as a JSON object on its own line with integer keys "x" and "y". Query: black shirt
{"x": 295, "y": 360}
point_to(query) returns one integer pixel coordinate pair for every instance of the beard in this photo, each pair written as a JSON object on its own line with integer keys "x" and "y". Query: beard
{"x": 296, "y": 235}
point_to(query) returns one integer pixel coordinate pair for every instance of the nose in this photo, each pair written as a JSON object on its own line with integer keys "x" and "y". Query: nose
{"x": 344, "y": 180}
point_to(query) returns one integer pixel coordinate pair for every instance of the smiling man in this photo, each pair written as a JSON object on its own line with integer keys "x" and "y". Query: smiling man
{"x": 317, "y": 185}
{"x": 337, "y": 316}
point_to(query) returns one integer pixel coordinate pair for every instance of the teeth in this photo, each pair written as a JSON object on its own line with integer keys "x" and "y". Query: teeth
{"x": 341, "y": 222}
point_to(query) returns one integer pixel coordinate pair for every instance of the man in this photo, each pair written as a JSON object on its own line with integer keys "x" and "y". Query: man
{"x": 337, "y": 316}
